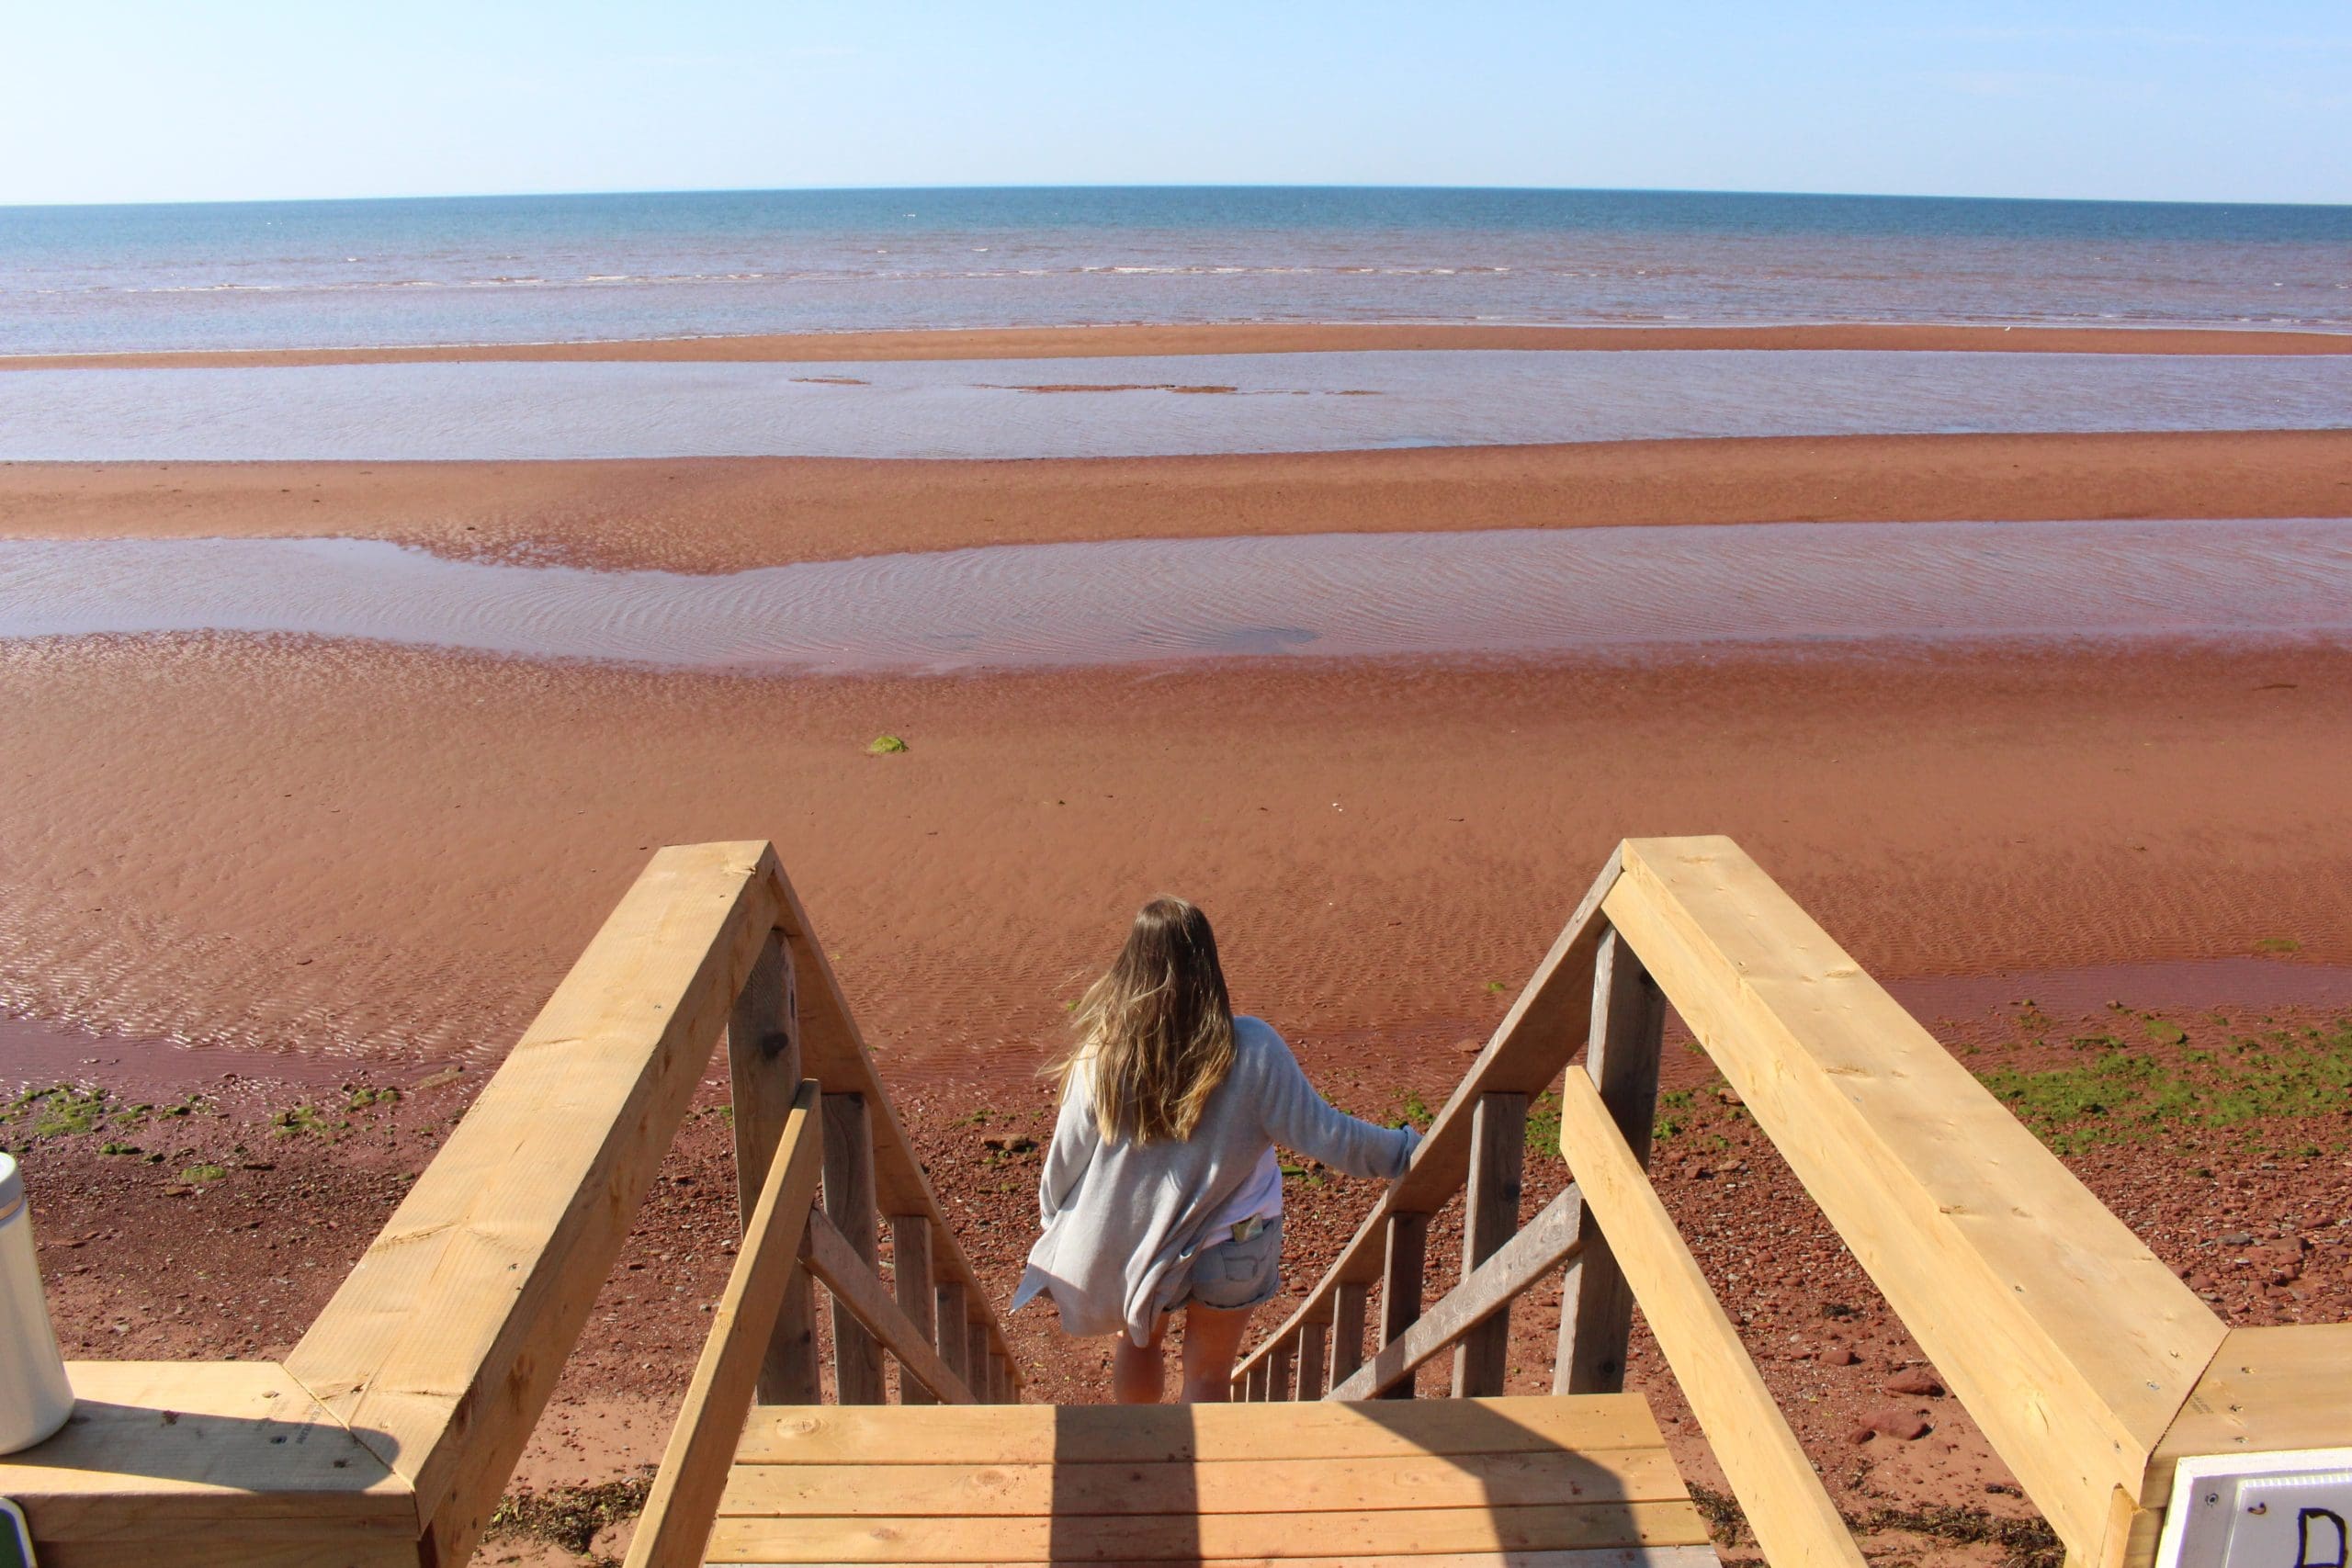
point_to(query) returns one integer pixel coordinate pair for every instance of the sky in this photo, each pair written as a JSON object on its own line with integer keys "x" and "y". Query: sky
{"x": 114, "y": 100}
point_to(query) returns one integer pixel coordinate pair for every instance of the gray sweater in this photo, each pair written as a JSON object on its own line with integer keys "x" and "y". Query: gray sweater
{"x": 1121, "y": 1220}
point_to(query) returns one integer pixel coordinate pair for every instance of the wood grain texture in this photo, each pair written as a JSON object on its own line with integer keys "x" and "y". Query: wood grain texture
{"x": 1407, "y": 1256}
{"x": 918, "y": 1296}
{"x": 1544, "y": 1027}
{"x": 693, "y": 1477}
{"x": 440, "y": 1348}
{"x": 1526, "y": 1260}
{"x": 859, "y": 1292}
{"x": 1793, "y": 1516}
{"x": 1106, "y": 1434}
{"x": 2071, "y": 1344}
{"x": 1589, "y": 1557}
{"x": 850, "y": 1205}
{"x": 1518, "y": 1479}
{"x": 1597, "y": 1305}
{"x": 159, "y": 1451}
{"x": 1489, "y": 1216}
{"x": 1314, "y": 1356}
{"x": 1183, "y": 1539}
{"x": 763, "y": 1073}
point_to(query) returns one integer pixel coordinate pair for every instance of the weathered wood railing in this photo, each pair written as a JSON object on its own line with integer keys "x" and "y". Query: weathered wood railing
{"x": 2087, "y": 1364}
{"x": 424, "y": 1375}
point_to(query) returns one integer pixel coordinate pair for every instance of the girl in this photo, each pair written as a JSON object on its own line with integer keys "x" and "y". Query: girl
{"x": 1161, "y": 1190}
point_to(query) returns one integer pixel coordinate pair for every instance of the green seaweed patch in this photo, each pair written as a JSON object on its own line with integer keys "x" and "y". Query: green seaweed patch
{"x": 570, "y": 1517}
{"x": 2124, "y": 1096}
{"x": 299, "y": 1119}
{"x": 204, "y": 1175}
{"x": 2277, "y": 944}
{"x": 2163, "y": 1031}
{"x": 885, "y": 746}
{"x": 362, "y": 1097}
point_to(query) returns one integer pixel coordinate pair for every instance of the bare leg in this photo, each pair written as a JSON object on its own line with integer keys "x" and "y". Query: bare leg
{"x": 1212, "y": 1343}
{"x": 1137, "y": 1373}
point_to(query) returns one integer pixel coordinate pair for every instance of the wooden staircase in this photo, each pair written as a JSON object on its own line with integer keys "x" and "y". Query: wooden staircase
{"x": 388, "y": 1436}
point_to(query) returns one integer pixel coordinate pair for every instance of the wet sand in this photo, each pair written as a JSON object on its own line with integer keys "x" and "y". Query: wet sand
{"x": 1103, "y": 341}
{"x": 346, "y": 848}
{"x": 727, "y": 515}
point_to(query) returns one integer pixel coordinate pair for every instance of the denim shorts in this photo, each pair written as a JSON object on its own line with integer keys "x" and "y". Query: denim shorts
{"x": 1231, "y": 1275}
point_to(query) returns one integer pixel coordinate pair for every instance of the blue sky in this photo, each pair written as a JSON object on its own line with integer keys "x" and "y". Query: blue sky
{"x": 115, "y": 101}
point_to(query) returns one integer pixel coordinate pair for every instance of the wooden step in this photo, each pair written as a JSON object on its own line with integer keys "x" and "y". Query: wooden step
{"x": 1537, "y": 1482}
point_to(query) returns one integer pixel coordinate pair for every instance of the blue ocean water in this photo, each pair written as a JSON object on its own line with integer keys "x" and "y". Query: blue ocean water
{"x": 582, "y": 268}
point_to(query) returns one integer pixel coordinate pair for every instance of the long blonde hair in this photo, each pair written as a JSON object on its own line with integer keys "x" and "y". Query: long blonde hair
{"x": 1155, "y": 1032}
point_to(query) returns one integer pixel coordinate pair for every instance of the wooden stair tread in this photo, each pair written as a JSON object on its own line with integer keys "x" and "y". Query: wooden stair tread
{"x": 1581, "y": 1482}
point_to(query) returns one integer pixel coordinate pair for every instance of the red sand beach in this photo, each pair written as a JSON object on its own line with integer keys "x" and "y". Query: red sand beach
{"x": 383, "y": 859}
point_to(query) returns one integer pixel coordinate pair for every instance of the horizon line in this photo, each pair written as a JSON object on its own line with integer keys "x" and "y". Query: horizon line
{"x": 553, "y": 195}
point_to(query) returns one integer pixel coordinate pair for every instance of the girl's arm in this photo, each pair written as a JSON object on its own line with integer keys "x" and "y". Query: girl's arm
{"x": 1298, "y": 1118}
{"x": 1075, "y": 1137}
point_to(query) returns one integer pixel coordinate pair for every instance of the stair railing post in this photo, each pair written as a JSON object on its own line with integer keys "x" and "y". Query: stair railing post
{"x": 1596, "y": 1304}
{"x": 1347, "y": 1329}
{"x": 763, "y": 1074}
{"x": 1489, "y": 1218}
{"x": 850, "y": 1204}
{"x": 976, "y": 1359}
{"x": 911, "y": 1280}
{"x": 1311, "y": 1360}
{"x": 949, "y": 1336}
{"x": 1400, "y": 1287}
{"x": 1280, "y": 1367}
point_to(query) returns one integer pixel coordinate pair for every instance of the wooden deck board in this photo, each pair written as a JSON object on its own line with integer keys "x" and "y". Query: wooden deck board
{"x": 1581, "y": 1483}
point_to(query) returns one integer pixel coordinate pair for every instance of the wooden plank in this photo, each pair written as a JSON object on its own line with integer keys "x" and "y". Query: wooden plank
{"x": 693, "y": 1477}
{"x": 1119, "y": 1434}
{"x": 227, "y": 1552}
{"x": 1549, "y": 1476}
{"x": 1280, "y": 1369}
{"x": 1347, "y": 1329}
{"x": 999, "y": 1378}
{"x": 1312, "y": 1357}
{"x": 1793, "y": 1516}
{"x": 954, "y": 1343}
{"x": 1549, "y": 1239}
{"x": 912, "y": 1283}
{"x": 2267, "y": 1391}
{"x": 763, "y": 1070}
{"x": 1596, "y": 1304}
{"x": 833, "y": 1051}
{"x": 1260, "y": 1378}
{"x": 1597, "y": 1557}
{"x": 440, "y": 1348}
{"x": 860, "y": 1294}
{"x": 1544, "y": 1027}
{"x": 2071, "y": 1344}
{"x": 849, "y": 1204}
{"x": 1489, "y": 1216}
{"x": 1400, "y": 1287}
{"x": 158, "y": 1448}
{"x": 1185, "y": 1539}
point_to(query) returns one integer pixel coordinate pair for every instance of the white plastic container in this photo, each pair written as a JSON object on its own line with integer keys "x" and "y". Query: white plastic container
{"x": 34, "y": 1397}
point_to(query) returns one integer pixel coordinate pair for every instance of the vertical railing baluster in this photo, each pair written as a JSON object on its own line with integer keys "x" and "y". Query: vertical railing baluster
{"x": 976, "y": 1360}
{"x": 850, "y": 1204}
{"x": 763, "y": 1074}
{"x": 1347, "y": 1329}
{"x": 1311, "y": 1352}
{"x": 1279, "y": 1370}
{"x": 1489, "y": 1218}
{"x": 912, "y": 1281}
{"x": 1596, "y": 1304}
{"x": 955, "y": 1347}
{"x": 1400, "y": 1288}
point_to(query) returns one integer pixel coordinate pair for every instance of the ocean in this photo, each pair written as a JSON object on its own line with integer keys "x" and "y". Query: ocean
{"x": 510, "y": 269}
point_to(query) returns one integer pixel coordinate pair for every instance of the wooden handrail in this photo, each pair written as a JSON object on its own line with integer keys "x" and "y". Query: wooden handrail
{"x": 2073, "y": 1346}
{"x": 1544, "y": 1027}
{"x": 856, "y": 1287}
{"x": 683, "y": 1500}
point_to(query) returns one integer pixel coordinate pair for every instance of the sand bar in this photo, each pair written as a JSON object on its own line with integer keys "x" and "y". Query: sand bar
{"x": 727, "y": 514}
{"x": 1101, "y": 341}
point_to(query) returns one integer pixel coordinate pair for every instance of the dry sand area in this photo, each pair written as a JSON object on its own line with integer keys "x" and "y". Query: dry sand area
{"x": 384, "y": 858}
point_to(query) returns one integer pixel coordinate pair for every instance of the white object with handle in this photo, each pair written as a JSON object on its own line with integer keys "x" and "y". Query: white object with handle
{"x": 34, "y": 1399}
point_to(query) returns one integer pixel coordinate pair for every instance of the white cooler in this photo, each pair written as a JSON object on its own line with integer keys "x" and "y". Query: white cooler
{"x": 34, "y": 1398}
